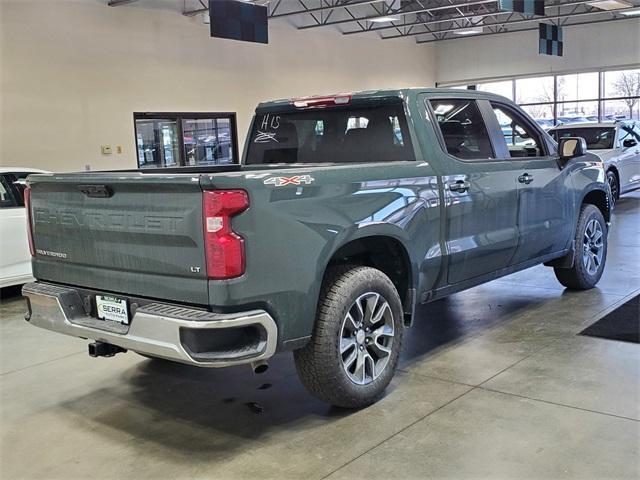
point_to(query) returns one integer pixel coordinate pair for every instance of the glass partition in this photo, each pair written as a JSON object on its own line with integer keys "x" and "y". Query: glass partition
{"x": 157, "y": 141}
{"x": 185, "y": 139}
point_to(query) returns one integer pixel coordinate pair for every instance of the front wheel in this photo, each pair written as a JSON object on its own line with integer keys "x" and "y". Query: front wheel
{"x": 354, "y": 349}
{"x": 591, "y": 251}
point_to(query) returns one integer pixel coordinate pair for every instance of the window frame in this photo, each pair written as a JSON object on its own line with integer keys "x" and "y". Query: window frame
{"x": 443, "y": 146}
{"x": 524, "y": 119}
{"x": 179, "y": 117}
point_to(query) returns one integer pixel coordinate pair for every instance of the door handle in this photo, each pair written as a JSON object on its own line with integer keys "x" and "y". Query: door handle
{"x": 460, "y": 186}
{"x": 526, "y": 179}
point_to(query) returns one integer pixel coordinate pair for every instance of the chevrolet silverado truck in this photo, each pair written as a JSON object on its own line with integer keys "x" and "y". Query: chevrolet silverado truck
{"x": 346, "y": 212}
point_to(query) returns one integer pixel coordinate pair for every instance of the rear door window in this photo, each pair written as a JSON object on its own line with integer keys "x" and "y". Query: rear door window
{"x": 463, "y": 129}
{"x": 331, "y": 135}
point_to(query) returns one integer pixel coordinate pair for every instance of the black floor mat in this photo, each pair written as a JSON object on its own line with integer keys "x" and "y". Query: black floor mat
{"x": 621, "y": 324}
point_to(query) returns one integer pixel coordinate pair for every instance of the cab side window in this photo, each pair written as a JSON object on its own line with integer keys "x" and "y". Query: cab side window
{"x": 522, "y": 139}
{"x": 463, "y": 130}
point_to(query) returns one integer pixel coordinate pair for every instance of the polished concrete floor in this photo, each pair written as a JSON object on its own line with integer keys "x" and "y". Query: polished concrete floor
{"x": 494, "y": 383}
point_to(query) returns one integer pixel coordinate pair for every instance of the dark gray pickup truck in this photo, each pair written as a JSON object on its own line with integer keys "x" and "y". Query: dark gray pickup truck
{"x": 347, "y": 212}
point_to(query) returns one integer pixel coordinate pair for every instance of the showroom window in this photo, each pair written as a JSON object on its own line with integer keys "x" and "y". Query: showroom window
{"x": 500, "y": 88}
{"x": 572, "y": 98}
{"x": 185, "y": 139}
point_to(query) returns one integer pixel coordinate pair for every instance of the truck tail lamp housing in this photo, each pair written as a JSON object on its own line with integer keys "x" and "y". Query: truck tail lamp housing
{"x": 224, "y": 248}
{"x": 27, "y": 206}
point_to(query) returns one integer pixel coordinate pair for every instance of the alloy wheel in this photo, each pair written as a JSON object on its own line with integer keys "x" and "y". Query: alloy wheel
{"x": 593, "y": 246}
{"x": 366, "y": 338}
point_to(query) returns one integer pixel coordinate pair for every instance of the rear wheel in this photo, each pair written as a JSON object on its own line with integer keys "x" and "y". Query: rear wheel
{"x": 614, "y": 186}
{"x": 354, "y": 349}
{"x": 591, "y": 251}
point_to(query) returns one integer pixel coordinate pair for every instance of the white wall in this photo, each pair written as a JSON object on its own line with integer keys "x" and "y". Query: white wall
{"x": 74, "y": 71}
{"x": 586, "y": 47}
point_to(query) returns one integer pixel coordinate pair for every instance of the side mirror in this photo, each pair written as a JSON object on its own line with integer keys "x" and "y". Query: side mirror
{"x": 571, "y": 147}
{"x": 629, "y": 142}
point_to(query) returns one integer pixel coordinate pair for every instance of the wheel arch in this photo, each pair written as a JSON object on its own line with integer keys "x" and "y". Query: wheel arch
{"x": 385, "y": 253}
{"x": 600, "y": 199}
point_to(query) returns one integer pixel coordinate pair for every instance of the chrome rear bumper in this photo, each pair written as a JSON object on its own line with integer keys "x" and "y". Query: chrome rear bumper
{"x": 177, "y": 333}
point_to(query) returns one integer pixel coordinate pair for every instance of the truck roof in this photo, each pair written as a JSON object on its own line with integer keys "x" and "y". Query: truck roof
{"x": 383, "y": 93}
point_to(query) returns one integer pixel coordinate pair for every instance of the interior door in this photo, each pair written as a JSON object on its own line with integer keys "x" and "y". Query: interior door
{"x": 544, "y": 207}
{"x": 480, "y": 192}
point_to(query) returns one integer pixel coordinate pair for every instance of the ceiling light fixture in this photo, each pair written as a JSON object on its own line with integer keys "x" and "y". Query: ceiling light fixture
{"x": 390, "y": 6}
{"x": 631, "y": 13}
{"x": 390, "y": 18}
{"x": 475, "y": 29}
{"x": 469, "y": 31}
{"x": 610, "y": 4}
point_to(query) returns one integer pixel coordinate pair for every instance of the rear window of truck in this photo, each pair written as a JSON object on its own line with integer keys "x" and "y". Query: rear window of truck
{"x": 331, "y": 135}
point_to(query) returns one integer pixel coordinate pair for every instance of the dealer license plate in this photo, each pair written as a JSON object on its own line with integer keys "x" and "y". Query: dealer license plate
{"x": 112, "y": 308}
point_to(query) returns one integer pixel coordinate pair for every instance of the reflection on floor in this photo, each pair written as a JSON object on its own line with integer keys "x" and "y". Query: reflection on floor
{"x": 494, "y": 382}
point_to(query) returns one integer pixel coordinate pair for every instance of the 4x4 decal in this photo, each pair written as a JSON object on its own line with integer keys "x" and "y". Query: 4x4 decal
{"x": 283, "y": 181}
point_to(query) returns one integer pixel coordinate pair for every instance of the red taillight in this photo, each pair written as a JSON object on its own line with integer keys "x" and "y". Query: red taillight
{"x": 27, "y": 206}
{"x": 223, "y": 247}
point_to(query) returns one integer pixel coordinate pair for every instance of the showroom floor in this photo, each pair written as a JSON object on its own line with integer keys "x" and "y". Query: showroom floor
{"x": 494, "y": 382}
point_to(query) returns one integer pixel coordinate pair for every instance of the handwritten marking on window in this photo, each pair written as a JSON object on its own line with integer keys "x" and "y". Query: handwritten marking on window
{"x": 265, "y": 137}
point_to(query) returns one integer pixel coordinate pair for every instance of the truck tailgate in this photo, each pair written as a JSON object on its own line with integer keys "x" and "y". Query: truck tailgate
{"x": 126, "y": 232}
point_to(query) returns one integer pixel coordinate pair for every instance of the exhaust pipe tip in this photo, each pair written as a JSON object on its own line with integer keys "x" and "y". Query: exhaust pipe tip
{"x": 259, "y": 367}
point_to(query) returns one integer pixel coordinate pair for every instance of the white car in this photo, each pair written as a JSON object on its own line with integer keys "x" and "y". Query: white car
{"x": 617, "y": 144}
{"x": 15, "y": 259}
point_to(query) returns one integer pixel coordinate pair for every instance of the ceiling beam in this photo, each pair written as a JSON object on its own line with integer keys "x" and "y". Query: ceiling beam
{"x": 467, "y": 16}
{"x": 516, "y": 22}
{"x": 354, "y": 3}
{"x": 115, "y": 3}
{"x": 587, "y": 22}
{"x": 406, "y": 12}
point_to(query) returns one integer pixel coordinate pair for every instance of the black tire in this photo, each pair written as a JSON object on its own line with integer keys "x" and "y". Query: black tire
{"x": 614, "y": 186}
{"x": 578, "y": 277}
{"x": 320, "y": 363}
